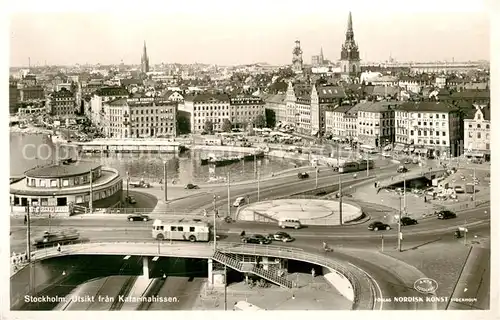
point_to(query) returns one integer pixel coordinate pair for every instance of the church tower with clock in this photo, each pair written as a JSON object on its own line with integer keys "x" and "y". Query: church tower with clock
{"x": 349, "y": 56}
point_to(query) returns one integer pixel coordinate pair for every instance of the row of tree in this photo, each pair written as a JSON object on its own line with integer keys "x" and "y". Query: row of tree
{"x": 227, "y": 125}
{"x": 184, "y": 125}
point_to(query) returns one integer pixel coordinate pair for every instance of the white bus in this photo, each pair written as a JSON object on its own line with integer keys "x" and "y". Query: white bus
{"x": 188, "y": 230}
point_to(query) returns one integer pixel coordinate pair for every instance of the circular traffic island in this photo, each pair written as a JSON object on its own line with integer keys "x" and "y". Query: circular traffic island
{"x": 307, "y": 211}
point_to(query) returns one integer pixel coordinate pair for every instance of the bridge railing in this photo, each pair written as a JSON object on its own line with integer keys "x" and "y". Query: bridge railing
{"x": 362, "y": 292}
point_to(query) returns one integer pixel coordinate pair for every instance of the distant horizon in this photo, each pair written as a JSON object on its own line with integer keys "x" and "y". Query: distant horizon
{"x": 241, "y": 37}
{"x": 236, "y": 65}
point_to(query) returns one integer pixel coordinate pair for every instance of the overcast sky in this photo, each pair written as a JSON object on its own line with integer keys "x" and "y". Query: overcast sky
{"x": 226, "y": 33}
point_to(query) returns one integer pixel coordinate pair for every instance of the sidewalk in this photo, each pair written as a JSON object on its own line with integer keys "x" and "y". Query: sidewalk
{"x": 416, "y": 207}
{"x": 312, "y": 294}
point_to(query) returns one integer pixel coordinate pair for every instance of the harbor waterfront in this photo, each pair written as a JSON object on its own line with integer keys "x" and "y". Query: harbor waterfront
{"x": 30, "y": 150}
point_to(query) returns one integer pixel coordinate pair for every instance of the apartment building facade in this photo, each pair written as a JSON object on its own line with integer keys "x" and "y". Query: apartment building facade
{"x": 207, "y": 107}
{"x": 375, "y": 123}
{"x": 99, "y": 98}
{"x": 140, "y": 118}
{"x": 61, "y": 104}
{"x": 428, "y": 128}
{"x": 245, "y": 109}
{"x": 341, "y": 123}
{"x": 477, "y": 130}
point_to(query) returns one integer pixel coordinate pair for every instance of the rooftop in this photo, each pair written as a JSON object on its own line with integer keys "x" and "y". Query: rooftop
{"x": 378, "y": 106}
{"x": 428, "y": 106}
{"x": 112, "y": 91}
{"x": 206, "y": 97}
{"x": 331, "y": 92}
{"x": 64, "y": 169}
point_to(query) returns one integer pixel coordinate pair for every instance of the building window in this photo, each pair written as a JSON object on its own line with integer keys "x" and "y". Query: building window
{"x": 444, "y": 134}
{"x": 487, "y": 126}
{"x": 411, "y": 132}
{"x": 444, "y": 142}
{"x": 53, "y": 183}
{"x": 479, "y": 135}
{"x": 65, "y": 182}
{"x": 470, "y": 134}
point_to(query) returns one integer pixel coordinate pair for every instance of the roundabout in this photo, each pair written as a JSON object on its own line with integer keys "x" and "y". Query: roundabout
{"x": 307, "y": 211}
{"x": 310, "y": 238}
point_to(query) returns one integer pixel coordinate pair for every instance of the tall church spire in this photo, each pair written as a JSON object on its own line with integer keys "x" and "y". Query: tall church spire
{"x": 349, "y": 35}
{"x": 349, "y": 55}
{"x": 144, "y": 59}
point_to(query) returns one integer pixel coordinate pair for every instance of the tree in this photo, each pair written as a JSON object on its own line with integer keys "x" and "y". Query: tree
{"x": 208, "y": 126}
{"x": 183, "y": 124}
{"x": 270, "y": 118}
{"x": 227, "y": 125}
{"x": 259, "y": 121}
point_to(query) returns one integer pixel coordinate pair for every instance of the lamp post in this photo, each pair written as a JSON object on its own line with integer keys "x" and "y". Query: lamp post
{"x": 165, "y": 178}
{"x": 400, "y": 235}
{"x": 316, "y": 181}
{"x": 258, "y": 185}
{"x": 404, "y": 193}
{"x": 340, "y": 186}
{"x": 215, "y": 214}
{"x": 91, "y": 197}
{"x": 228, "y": 193}
{"x": 367, "y": 164}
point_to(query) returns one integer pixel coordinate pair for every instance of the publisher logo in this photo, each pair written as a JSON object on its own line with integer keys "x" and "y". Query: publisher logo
{"x": 425, "y": 285}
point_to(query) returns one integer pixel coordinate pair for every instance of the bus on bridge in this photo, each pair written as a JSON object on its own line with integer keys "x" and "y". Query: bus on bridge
{"x": 187, "y": 230}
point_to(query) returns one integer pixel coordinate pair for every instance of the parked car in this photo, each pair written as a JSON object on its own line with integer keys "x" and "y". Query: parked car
{"x": 190, "y": 186}
{"x": 130, "y": 199}
{"x": 137, "y": 217}
{"x": 255, "y": 238}
{"x": 239, "y": 201}
{"x": 140, "y": 184}
{"x": 377, "y": 225}
{"x": 402, "y": 169}
{"x": 407, "y": 221}
{"x": 280, "y": 236}
{"x": 303, "y": 175}
{"x": 446, "y": 214}
{"x": 459, "y": 189}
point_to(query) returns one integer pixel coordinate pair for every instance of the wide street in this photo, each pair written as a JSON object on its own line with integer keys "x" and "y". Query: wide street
{"x": 345, "y": 240}
{"x": 272, "y": 188}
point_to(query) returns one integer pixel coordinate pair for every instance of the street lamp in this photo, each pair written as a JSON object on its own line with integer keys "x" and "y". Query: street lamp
{"x": 165, "y": 178}
{"x": 258, "y": 185}
{"x": 400, "y": 235}
{"x": 215, "y": 215}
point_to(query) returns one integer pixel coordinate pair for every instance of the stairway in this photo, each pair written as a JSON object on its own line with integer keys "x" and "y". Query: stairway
{"x": 270, "y": 275}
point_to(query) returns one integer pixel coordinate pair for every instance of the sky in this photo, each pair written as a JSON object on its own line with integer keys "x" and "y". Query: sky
{"x": 228, "y": 33}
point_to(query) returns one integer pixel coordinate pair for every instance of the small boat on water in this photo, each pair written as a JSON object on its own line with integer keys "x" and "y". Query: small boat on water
{"x": 222, "y": 161}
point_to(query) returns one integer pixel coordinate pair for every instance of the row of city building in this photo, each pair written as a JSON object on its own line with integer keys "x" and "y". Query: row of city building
{"x": 449, "y": 126}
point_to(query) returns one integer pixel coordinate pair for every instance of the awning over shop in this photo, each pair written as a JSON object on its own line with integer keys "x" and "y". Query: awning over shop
{"x": 314, "y": 132}
{"x": 475, "y": 154}
{"x": 399, "y": 147}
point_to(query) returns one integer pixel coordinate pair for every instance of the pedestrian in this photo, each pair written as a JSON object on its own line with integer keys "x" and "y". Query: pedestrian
{"x": 25, "y": 219}
{"x": 425, "y": 199}
{"x": 59, "y": 247}
{"x": 313, "y": 272}
{"x": 242, "y": 234}
{"x": 375, "y": 185}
